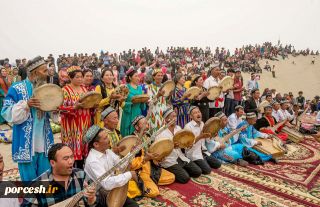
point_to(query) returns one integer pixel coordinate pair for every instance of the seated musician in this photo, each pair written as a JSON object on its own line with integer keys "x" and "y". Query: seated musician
{"x": 248, "y": 135}
{"x": 284, "y": 114}
{"x": 150, "y": 172}
{"x": 61, "y": 159}
{"x": 267, "y": 120}
{"x": 101, "y": 159}
{"x": 177, "y": 163}
{"x": 110, "y": 119}
{"x": 198, "y": 153}
{"x": 230, "y": 151}
{"x": 235, "y": 118}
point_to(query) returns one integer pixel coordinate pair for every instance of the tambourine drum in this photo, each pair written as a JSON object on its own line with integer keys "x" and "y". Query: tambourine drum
{"x": 50, "y": 96}
{"x": 262, "y": 105}
{"x": 194, "y": 91}
{"x": 269, "y": 147}
{"x": 168, "y": 86}
{"x": 128, "y": 142}
{"x": 163, "y": 147}
{"x": 226, "y": 83}
{"x": 117, "y": 196}
{"x": 90, "y": 99}
{"x": 214, "y": 92}
{"x": 185, "y": 138}
{"x": 140, "y": 98}
{"x": 212, "y": 126}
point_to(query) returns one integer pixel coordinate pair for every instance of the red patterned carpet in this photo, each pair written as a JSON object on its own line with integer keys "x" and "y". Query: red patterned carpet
{"x": 295, "y": 181}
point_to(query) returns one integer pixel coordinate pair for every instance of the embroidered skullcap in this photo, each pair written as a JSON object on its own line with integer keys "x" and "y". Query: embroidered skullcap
{"x": 106, "y": 112}
{"x": 191, "y": 109}
{"x": 136, "y": 120}
{"x": 238, "y": 107}
{"x": 35, "y": 63}
{"x": 167, "y": 112}
{"x": 92, "y": 132}
{"x": 284, "y": 102}
{"x": 73, "y": 68}
{"x": 251, "y": 115}
{"x": 274, "y": 103}
{"x": 267, "y": 106}
{"x": 220, "y": 114}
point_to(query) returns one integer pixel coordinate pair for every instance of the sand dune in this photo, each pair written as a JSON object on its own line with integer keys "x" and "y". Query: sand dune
{"x": 292, "y": 77}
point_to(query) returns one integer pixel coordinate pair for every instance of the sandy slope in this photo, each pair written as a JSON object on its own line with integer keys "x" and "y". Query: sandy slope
{"x": 300, "y": 76}
{"x": 292, "y": 77}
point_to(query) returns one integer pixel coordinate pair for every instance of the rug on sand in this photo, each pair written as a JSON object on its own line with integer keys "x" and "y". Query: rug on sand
{"x": 295, "y": 181}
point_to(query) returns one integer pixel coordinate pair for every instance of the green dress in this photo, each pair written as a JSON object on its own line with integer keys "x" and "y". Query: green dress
{"x": 130, "y": 111}
{"x": 2, "y": 95}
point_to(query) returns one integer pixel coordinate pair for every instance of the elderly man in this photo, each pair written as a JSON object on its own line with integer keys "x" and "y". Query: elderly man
{"x": 111, "y": 121}
{"x": 32, "y": 135}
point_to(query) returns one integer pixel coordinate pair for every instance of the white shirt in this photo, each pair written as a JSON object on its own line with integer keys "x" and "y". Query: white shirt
{"x": 195, "y": 152}
{"x": 284, "y": 114}
{"x": 98, "y": 163}
{"x": 276, "y": 115}
{"x": 172, "y": 158}
{"x": 252, "y": 84}
{"x": 210, "y": 82}
{"x": 233, "y": 121}
{"x": 8, "y": 202}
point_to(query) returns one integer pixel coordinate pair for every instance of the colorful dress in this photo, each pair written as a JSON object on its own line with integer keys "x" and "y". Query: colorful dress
{"x": 103, "y": 103}
{"x": 270, "y": 121}
{"x": 130, "y": 111}
{"x": 3, "y": 92}
{"x": 74, "y": 122}
{"x": 156, "y": 120}
{"x": 181, "y": 107}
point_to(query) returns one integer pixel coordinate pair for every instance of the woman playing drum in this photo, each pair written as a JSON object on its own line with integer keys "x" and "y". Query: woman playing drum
{"x": 76, "y": 120}
{"x": 88, "y": 80}
{"x": 180, "y": 101}
{"x": 201, "y": 101}
{"x": 131, "y": 110}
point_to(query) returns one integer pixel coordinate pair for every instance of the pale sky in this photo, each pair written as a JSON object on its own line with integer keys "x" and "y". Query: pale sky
{"x": 39, "y": 27}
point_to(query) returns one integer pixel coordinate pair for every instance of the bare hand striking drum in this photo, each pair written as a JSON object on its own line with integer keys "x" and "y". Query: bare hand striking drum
{"x": 167, "y": 87}
{"x": 90, "y": 99}
{"x": 50, "y": 97}
{"x": 194, "y": 91}
{"x": 212, "y": 126}
{"x": 163, "y": 147}
{"x": 184, "y": 138}
{"x": 214, "y": 92}
{"x": 226, "y": 83}
{"x": 128, "y": 142}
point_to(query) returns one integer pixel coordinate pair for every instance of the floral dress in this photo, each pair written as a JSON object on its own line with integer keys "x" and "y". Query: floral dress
{"x": 74, "y": 122}
{"x": 181, "y": 107}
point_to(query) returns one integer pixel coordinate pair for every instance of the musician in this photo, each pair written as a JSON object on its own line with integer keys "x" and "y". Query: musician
{"x": 284, "y": 113}
{"x": 252, "y": 104}
{"x": 268, "y": 120}
{"x": 213, "y": 80}
{"x": 153, "y": 90}
{"x": 131, "y": 110}
{"x": 32, "y": 134}
{"x": 149, "y": 170}
{"x": 106, "y": 88}
{"x": 110, "y": 119}
{"x": 275, "y": 110}
{"x": 201, "y": 100}
{"x": 61, "y": 171}
{"x": 180, "y": 100}
{"x": 75, "y": 120}
{"x": 101, "y": 159}
{"x": 177, "y": 163}
{"x": 230, "y": 151}
{"x": 248, "y": 135}
{"x": 235, "y": 119}
{"x": 198, "y": 153}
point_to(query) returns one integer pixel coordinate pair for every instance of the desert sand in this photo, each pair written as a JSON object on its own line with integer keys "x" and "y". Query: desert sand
{"x": 289, "y": 78}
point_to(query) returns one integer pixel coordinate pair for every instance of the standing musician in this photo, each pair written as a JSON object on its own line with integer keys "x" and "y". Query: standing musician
{"x": 149, "y": 170}
{"x": 231, "y": 151}
{"x": 248, "y": 135}
{"x": 110, "y": 119}
{"x": 213, "y": 80}
{"x": 101, "y": 159}
{"x": 236, "y": 118}
{"x": 76, "y": 120}
{"x": 32, "y": 134}
{"x": 201, "y": 100}
{"x": 198, "y": 153}
{"x": 177, "y": 163}
{"x": 268, "y": 120}
{"x": 75, "y": 180}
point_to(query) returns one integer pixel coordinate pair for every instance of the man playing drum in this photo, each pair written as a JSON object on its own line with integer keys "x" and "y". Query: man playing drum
{"x": 32, "y": 134}
{"x": 176, "y": 162}
{"x": 101, "y": 159}
{"x": 111, "y": 120}
{"x": 198, "y": 153}
{"x": 145, "y": 163}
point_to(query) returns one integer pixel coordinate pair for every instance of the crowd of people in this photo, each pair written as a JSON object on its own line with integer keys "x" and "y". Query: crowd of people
{"x": 91, "y": 136}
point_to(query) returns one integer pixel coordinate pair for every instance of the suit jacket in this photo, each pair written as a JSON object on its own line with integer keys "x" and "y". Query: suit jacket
{"x": 55, "y": 79}
{"x": 251, "y": 106}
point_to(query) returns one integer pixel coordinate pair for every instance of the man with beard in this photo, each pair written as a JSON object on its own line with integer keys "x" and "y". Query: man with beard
{"x": 32, "y": 134}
